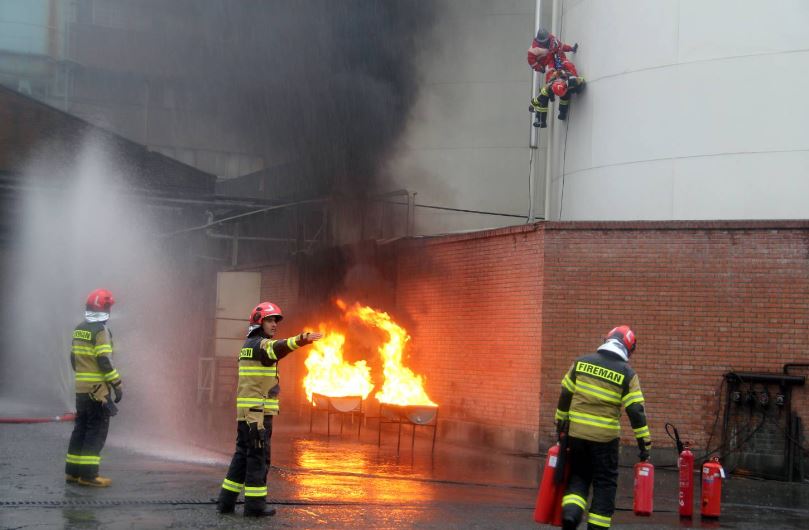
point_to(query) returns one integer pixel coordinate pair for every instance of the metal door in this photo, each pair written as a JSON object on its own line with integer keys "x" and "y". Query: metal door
{"x": 237, "y": 293}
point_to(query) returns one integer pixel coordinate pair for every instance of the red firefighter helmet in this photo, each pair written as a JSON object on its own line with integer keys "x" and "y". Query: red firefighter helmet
{"x": 559, "y": 87}
{"x": 264, "y": 310}
{"x": 100, "y": 300}
{"x": 626, "y": 336}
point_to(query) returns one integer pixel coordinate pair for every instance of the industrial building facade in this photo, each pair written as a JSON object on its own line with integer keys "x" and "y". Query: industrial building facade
{"x": 498, "y": 316}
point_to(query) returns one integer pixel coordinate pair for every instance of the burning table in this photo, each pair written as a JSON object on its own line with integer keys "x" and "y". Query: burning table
{"x": 340, "y": 405}
{"x": 333, "y": 385}
{"x": 415, "y": 415}
{"x": 338, "y": 387}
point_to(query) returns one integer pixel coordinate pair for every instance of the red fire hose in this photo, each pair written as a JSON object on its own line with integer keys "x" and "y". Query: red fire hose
{"x": 67, "y": 416}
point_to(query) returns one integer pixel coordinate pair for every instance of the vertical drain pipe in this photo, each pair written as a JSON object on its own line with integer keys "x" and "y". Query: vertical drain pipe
{"x": 551, "y": 121}
{"x": 536, "y": 82}
{"x": 533, "y": 141}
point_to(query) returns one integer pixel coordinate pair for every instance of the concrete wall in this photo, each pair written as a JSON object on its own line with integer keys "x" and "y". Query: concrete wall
{"x": 694, "y": 110}
{"x": 466, "y": 145}
{"x": 71, "y": 55}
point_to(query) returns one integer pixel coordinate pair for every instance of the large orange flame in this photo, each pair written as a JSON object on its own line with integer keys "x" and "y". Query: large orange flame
{"x": 329, "y": 374}
{"x": 402, "y": 386}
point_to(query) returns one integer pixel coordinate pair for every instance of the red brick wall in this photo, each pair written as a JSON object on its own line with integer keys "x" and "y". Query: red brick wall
{"x": 496, "y": 317}
{"x": 476, "y": 300}
{"x": 703, "y": 299}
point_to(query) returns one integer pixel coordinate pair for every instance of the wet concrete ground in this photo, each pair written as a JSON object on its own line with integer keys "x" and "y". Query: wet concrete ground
{"x": 337, "y": 482}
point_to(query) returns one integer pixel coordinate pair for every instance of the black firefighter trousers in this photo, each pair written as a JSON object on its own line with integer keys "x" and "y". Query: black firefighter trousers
{"x": 593, "y": 463}
{"x": 248, "y": 471}
{"x": 88, "y": 438}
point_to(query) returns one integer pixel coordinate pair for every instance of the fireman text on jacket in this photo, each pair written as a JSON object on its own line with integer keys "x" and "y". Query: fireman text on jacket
{"x": 82, "y": 334}
{"x": 600, "y": 371}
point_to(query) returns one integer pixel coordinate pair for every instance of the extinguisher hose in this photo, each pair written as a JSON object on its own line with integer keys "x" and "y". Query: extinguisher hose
{"x": 68, "y": 416}
{"x": 675, "y": 437}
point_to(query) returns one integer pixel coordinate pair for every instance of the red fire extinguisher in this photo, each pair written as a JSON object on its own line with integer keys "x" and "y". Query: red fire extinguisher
{"x": 712, "y": 475}
{"x": 685, "y": 465}
{"x": 548, "y": 509}
{"x": 644, "y": 488}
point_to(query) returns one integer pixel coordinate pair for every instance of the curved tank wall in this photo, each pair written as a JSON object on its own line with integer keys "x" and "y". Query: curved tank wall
{"x": 694, "y": 109}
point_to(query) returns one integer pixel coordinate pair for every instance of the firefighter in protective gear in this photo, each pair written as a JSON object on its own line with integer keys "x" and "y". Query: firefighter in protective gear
{"x": 98, "y": 387}
{"x": 594, "y": 390}
{"x": 258, "y": 376}
{"x": 547, "y": 51}
{"x": 563, "y": 83}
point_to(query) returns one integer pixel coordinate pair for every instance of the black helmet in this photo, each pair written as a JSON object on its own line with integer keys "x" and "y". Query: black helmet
{"x": 543, "y": 37}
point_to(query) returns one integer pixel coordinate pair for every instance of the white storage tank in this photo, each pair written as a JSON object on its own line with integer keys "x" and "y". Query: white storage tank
{"x": 694, "y": 109}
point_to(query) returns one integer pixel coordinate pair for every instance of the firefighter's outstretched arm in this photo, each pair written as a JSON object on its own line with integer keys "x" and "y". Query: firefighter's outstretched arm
{"x": 278, "y": 349}
{"x": 633, "y": 402}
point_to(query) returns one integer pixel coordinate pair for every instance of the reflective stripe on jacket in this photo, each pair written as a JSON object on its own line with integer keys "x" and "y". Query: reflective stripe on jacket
{"x": 258, "y": 375}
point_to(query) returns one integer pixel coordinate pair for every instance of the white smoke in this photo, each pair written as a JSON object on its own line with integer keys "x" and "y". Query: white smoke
{"x": 83, "y": 228}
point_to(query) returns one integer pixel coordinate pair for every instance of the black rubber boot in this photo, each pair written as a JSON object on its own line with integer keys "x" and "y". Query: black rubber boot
{"x": 226, "y": 503}
{"x": 563, "y": 112}
{"x": 571, "y": 517}
{"x": 569, "y": 524}
{"x": 541, "y": 119}
{"x": 257, "y": 507}
{"x": 266, "y": 512}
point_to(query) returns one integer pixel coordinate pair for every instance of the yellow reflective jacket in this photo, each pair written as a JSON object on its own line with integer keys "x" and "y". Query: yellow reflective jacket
{"x": 91, "y": 359}
{"x": 594, "y": 390}
{"x": 258, "y": 376}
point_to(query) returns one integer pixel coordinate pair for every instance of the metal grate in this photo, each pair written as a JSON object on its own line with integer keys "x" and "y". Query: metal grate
{"x": 105, "y": 502}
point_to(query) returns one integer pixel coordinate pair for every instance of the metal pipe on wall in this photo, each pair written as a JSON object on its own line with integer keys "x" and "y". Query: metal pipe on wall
{"x": 535, "y": 76}
{"x": 548, "y": 151}
{"x": 533, "y": 140}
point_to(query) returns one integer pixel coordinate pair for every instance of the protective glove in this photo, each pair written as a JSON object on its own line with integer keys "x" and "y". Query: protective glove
{"x": 561, "y": 429}
{"x": 644, "y": 450}
{"x": 575, "y": 47}
{"x": 109, "y": 408}
{"x": 256, "y": 435}
{"x": 118, "y": 391}
{"x": 307, "y": 337}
